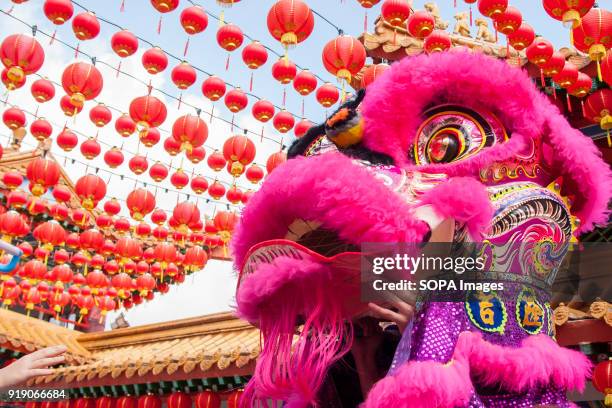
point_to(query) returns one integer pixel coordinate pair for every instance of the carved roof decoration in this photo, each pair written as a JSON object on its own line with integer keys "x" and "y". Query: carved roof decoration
{"x": 208, "y": 346}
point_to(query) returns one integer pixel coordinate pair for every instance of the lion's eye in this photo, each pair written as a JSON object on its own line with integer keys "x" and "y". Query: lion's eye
{"x": 450, "y": 133}
{"x": 445, "y": 146}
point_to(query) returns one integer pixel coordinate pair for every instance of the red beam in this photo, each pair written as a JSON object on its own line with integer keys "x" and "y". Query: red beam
{"x": 577, "y": 332}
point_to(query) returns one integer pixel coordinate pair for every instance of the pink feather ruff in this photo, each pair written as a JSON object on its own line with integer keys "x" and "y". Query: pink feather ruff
{"x": 428, "y": 384}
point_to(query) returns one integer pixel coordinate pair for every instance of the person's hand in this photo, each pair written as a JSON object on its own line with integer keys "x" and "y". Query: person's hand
{"x": 401, "y": 316}
{"x": 31, "y": 365}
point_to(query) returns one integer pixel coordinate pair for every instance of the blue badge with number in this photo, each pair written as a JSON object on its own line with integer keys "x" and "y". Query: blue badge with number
{"x": 529, "y": 312}
{"x": 486, "y": 311}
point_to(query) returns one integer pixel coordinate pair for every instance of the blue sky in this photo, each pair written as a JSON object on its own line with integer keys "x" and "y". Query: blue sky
{"x": 211, "y": 290}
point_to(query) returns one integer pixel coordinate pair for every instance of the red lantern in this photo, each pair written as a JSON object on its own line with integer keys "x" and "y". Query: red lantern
{"x": 58, "y": 11}
{"x": 91, "y": 240}
{"x": 606, "y": 68}
{"x": 196, "y": 155}
{"x": 284, "y": 71}
{"x": 602, "y": 380}
{"x": 254, "y": 174}
{"x": 138, "y": 164}
{"x": 508, "y": 21}
{"x": 61, "y": 193}
{"x": 21, "y": 55}
{"x": 302, "y": 127}
{"x": 236, "y": 100}
{"x": 124, "y": 43}
{"x": 344, "y": 57}
{"x": 234, "y": 194}
{"x": 104, "y": 221}
{"x": 290, "y": 22}
{"x": 598, "y": 108}
{"x": 372, "y": 72}
{"x": 492, "y": 8}
{"x": 216, "y": 161}
{"x": 126, "y": 402}
{"x": 254, "y": 55}
{"x": 275, "y": 160}
{"x": 239, "y": 151}
{"x": 90, "y": 189}
{"x": 179, "y": 179}
{"x": 594, "y": 35}
{"x": 183, "y": 75}
{"x": 147, "y": 111}
{"x": 42, "y": 174}
{"x": 186, "y": 214}
{"x": 172, "y": 146}
{"x": 100, "y": 115}
{"x": 90, "y": 148}
{"x": 230, "y": 37}
{"x": 522, "y": 38}
{"x": 67, "y": 140}
{"x": 195, "y": 258}
{"x": 191, "y": 131}
{"x": 327, "y": 95}
{"x": 85, "y": 26}
{"x": 283, "y": 121}
{"x": 246, "y": 196}
{"x": 122, "y": 225}
{"x": 420, "y": 24}
{"x": 145, "y": 283}
{"x": 113, "y": 157}
{"x": 140, "y": 202}
{"x": 158, "y": 172}
{"x": 554, "y": 65}
{"x": 567, "y": 76}
{"x": 199, "y": 184}
{"x": 158, "y": 216}
{"x": 50, "y": 234}
{"x": 154, "y": 60}
{"x": 568, "y": 12}
{"x": 213, "y": 88}
{"x": 14, "y": 118}
{"x": 42, "y": 90}
{"x": 396, "y": 12}
{"x": 10, "y": 85}
{"x": 263, "y": 111}
{"x": 194, "y": 20}
{"x": 80, "y": 217}
{"x": 124, "y": 125}
{"x": 233, "y": 401}
{"x": 150, "y": 137}
{"x": 539, "y": 52}
{"x": 13, "y": 179}
{"x": 68, "y": 107}
{"x": 41, "y": 129}
{"x": 216, "y": 190}
{"x": 305, "y": 82}
{"x": 112, "y": 207}
{"x": 82, "y": 81}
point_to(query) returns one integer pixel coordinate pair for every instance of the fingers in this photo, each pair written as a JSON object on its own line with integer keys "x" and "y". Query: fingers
{"x": 40, "y": 371}
{"x": 404, "y": 308}
{"x": 384, "y": 313}
{"x": 48, "y": 352}
{"x": 47, "y": 362}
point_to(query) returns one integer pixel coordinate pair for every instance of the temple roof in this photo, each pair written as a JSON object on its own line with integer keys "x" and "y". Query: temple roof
{"x": 209, "y": 346}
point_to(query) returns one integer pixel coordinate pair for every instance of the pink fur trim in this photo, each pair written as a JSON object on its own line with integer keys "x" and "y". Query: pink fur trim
{"x": 539, "y": 361}
{"x": 423, "y": 384}
{"x": 292, "y": 367}
{"x": 331, "y": 189}
{"x": 394, "y": 105}
{"x": 465, "y": 200}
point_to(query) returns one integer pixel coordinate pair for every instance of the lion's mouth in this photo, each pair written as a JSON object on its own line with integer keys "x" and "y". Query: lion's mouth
{"x": 323, "y": 241}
